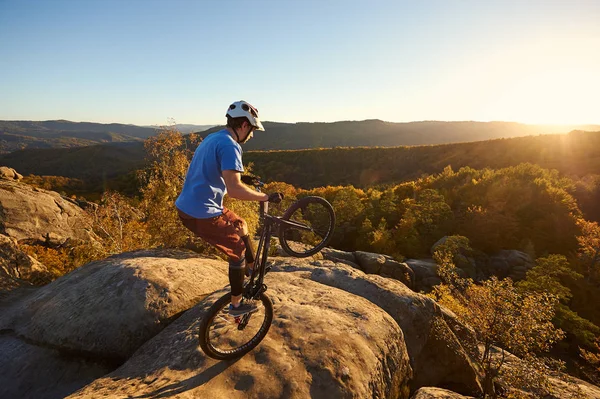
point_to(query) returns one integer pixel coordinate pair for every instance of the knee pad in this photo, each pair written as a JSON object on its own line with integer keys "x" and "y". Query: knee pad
{"x": 236, "y": 276}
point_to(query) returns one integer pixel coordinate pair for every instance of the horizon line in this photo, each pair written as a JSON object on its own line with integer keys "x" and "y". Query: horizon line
{"x": 307, "y": 122}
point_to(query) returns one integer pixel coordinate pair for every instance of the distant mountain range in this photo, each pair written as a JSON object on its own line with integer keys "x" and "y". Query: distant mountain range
{"x": 183, "y": 128}
{"x": 21, "y": 135}
{"x": 377, "y": 133}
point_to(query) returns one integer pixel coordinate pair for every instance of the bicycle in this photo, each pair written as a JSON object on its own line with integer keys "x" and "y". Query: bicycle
{"x": 305, "y": 228}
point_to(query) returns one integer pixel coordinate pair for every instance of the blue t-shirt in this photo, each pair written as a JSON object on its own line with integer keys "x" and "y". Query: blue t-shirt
{"x": 204, "y": 186}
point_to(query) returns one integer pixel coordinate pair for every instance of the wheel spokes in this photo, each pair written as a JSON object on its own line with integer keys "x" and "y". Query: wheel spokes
{"x": 225, "y": 334}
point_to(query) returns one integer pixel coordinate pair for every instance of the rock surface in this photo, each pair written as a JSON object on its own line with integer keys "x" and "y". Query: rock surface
{"x": 29, "y": 214}
{"x": 384, "y": 265}
{"x": 437, "y": 356}
{"x": 437, "y": 393}
{"x": 100, "y": 313}
{"x": 7, "y": 173}
{"x": 372, "y": 263}
{"x": 127, "y": 327}
{"x": 17, "y": 269}
{"x": 510, "y": 263}
{"x": 323, "y": 343}
{"x": 37, "y": 372}
{"x": 109, "y": 308}
{"x": 425, "y": 273}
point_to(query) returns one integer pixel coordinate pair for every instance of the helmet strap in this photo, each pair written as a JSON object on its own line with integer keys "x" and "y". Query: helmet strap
{"x": 236, "y": 135}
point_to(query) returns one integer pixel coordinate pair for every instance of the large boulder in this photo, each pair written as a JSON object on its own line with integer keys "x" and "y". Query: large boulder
{"x": 510, "y": 263}
{"x": 7, "y": 173}
{"x": 323, "y": 343}
{"x": 18, "y": 269}
{"x": 97, "y": 316}
{"x": 30, "y": 214}
{"x": 40, "y": 372}
{"x": 373, "y": 263}
{"x": 384, "y": 265}
{"x": 340, "y": 256}
{"x": 425, "y": 273}
{"x": 434, "y": 343}
{"x": 109, "y": 308}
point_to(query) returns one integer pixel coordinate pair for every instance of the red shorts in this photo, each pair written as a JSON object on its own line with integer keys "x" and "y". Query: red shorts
{"x": 223, "y": 232}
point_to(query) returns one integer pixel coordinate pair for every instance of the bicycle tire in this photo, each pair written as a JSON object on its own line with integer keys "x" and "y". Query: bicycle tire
{"x": 215, "y": 349}
{"x": 320, "y": 229}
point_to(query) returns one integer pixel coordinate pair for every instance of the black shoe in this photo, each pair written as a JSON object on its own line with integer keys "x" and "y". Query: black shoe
{"x": 243, "y": 309}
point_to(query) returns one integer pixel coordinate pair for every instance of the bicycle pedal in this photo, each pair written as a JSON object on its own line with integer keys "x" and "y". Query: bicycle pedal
{"x": 237, "y": 319}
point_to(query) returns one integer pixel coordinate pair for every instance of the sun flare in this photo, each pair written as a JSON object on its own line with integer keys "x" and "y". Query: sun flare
{"x": 555, "y": 85}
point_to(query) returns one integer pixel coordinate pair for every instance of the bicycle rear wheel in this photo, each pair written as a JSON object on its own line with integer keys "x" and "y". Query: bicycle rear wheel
{"x": 224, "y": 337}
{"x": 306, "y": 226}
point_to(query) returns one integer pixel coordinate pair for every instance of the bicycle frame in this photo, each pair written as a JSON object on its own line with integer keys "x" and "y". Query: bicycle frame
{"x": 254, "y": 289}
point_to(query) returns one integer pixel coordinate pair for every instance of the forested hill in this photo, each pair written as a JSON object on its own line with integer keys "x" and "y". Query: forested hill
{"x": 17, "y": 135}
{"x": 576, "y": 153}
{"x": 376, "y": 133}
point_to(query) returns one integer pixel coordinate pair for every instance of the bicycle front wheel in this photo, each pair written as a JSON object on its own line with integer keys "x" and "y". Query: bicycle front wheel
{"x": 224, "y": 337}
{"x": 306, "y": 226}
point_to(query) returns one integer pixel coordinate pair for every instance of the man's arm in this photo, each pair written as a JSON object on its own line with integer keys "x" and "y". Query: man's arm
{"x": 236, "y": 189}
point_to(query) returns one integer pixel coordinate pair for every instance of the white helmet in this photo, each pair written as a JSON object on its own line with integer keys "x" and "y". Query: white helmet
{"x": 242, "y": 108}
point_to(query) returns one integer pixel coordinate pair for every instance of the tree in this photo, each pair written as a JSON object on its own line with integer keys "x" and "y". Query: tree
{"x": 447, "y": 255}
{"x": 549, "y": 276}
{"x": 593, "y": 360}
{"x": 501, "y": 316}
{"x": 381, "y": 241}
{"x": 505, "y": 318}
{"x": 589, "y": 249}
{"x": 349, "y": 205}
{"x": 425, "y": 220}
{"x": 168, "y": 156}
{"x": 119, "y": 224}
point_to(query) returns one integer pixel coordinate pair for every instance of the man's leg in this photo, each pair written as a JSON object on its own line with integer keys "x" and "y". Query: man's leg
{"x": 249, "y": 254}
{"x": 225, "y": 232}
{"x": 236, "y": 280}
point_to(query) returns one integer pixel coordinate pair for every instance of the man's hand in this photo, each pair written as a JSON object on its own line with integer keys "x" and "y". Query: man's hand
{"x": 241, "y": 227}
{"x": 275, "y": 198}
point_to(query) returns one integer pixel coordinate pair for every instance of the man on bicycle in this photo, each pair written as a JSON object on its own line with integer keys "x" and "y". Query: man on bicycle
{"x": 216, "y": 170}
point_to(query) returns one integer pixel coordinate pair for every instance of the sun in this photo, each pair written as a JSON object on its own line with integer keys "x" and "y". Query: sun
{"x": 559, "y": 96}
{"x": 557, "y": 84}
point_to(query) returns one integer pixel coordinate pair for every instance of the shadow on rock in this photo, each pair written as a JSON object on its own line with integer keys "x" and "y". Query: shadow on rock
{"x": 196, "y": 381}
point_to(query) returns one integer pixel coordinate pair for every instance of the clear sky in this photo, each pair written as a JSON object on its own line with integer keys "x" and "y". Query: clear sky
{"x": 146, "y": 62}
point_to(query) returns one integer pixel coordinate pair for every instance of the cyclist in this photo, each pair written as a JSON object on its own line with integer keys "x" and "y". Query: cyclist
{"x": 216, "y": 170}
